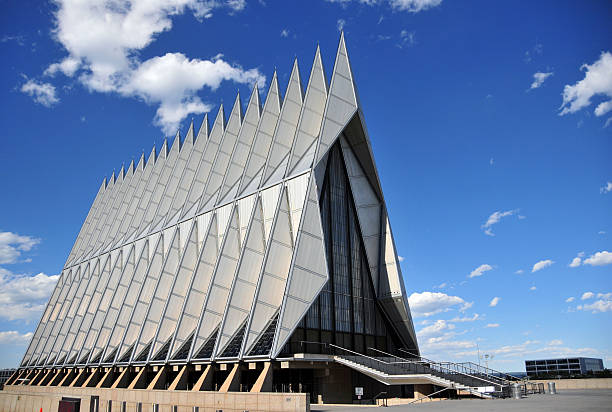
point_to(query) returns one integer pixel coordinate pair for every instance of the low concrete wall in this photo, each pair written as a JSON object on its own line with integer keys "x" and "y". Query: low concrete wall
{"x": 561, "y": 384}
{"x": 31, "y": 398}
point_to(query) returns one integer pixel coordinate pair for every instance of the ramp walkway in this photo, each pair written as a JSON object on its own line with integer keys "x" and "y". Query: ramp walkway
{"x": 414, "y": 369}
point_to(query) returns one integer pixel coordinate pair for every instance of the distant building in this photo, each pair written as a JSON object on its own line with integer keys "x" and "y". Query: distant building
{"x": 5, "y": 374}
{"x": 563, "y": 366}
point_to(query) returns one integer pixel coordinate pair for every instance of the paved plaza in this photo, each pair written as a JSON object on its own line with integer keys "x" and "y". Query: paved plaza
{"x": 574, "y": 400}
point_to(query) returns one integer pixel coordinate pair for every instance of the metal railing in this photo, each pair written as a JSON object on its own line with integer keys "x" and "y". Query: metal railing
{"x": 391, "y": 364}
{"x": 382, "y": 396}
{"x": 455, "y": 373}
{"x": 468, "y": 368}
{"x": 427, "y": 396}
{"x": 492, "y": 372}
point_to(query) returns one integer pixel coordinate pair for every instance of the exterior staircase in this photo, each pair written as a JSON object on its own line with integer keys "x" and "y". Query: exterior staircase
{"x": 393, "y": 370}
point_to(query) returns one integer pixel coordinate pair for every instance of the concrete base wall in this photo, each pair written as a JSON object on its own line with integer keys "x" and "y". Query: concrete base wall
{"x": 593, "y": 383}
{"x": 26, "y": 399}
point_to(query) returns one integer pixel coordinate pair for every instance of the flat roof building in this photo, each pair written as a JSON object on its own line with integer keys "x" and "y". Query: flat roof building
{"x": 563, "y": 366}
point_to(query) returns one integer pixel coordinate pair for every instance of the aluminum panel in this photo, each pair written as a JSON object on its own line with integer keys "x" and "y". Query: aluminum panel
{"x": 198, "y": 287}
{"x": 310, "y": 118}
{"x": 163, "y": 209}
{"x": 286, "y": 127}
{"x": 342, "y": 101}
{"x": 242, "y": 147}
{"x": 116, "y": 303}
{"x": 128, "y": 198}
{"x": 162, "y": 291}
{"x": 189, "y": 172}
{"x": 296, "y": 191}
{"x": 143, "y": 301}
{"x": 83, "y": 249}
{"x": 243, "y": 289}
{"x": 102, "y": 308}
{"x": 84, "y": 226}
{"x": 101, "y": 231}
{"x": 205, "y": 165}
{"x": 263, "y": 140}
{"x": 145, "y": 199}
{"x": 275, "y": 272}
{"x": 309, "y": 271}
{"x": 146, "y": 225}
{"x": 222, "y": 158}
{"x": 90, "y": 304}
{"x": 132, "y": 203}
{"x": 222, "y": 280}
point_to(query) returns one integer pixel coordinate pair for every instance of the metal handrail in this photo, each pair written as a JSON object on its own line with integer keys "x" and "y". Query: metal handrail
{"x": 379, "y": 396}
{"x": 424, "y": 363}
{"x": 504, "y": 382}
{"x": 427, "y": 396}
{"x": 440, "y": 365}
{"x": 513, "y": 378}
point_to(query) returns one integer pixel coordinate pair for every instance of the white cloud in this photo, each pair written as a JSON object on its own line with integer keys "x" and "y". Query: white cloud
{"x": 495, "y": 218}
{"x": 575, "y": 262}
{"x": 491, "y": 161}
{"x": 442, "y": 344}
{"x": 466, "y": 318}
{"x": 12, "y": 245}
{"x": 412, "y": 6}
{"x": 531, "y": 348}
{"x": 570, "y": 299}
{"x": 599, "y": 259}
{"x": 607, "y": 188}
{"x": 541, "y": 265}
{"x": 68, "y": 66}
{"x": 599, "y": 306}
{"x": 340, "y": 24}
{"x": 607, "y": 296}
{"x": 15, "y": 338}
{"x": 494, "y": 301}
{"x": 480, "y": 270}
{"x": 41, "y": 92}
{"x": 20, "y": 40}
{"x": 539, "y": 78}
{"x": 601, "y": 232}
{"x": 285, "y": 33}
{"x": 555, "y": 342}
{"x": 172, "y": 81}
{"x": 492, "y": 325}
{"x": 430, "y": 303}
{"x": 520, "y": 272}
{"x": 587, "y": 295}
{"x": 103, "y": 39}
{"x": 407, "y": 38}
{"x": 23, "y": 297}
{"x": 533, "y": 288}
{"x": 597, "y": 81}
{"x": 435, "y": 329}
{"x": 400, "y": 258}
{"x": 608, "y": 122}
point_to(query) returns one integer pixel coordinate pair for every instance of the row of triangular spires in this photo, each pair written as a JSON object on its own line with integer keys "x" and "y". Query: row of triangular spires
{"x": 199, "y": 247}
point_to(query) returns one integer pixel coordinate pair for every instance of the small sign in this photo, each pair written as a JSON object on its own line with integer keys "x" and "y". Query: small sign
{"x": 359, "y": 391}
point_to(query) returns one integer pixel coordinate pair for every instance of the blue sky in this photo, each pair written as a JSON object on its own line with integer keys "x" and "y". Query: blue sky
{"x": 491, "y": 124}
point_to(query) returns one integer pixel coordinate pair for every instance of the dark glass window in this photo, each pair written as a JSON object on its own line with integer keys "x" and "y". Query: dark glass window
{"x": 233, "y": 348}
{"x": 264, "y": 344}
{"x": 347, "y": 305}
